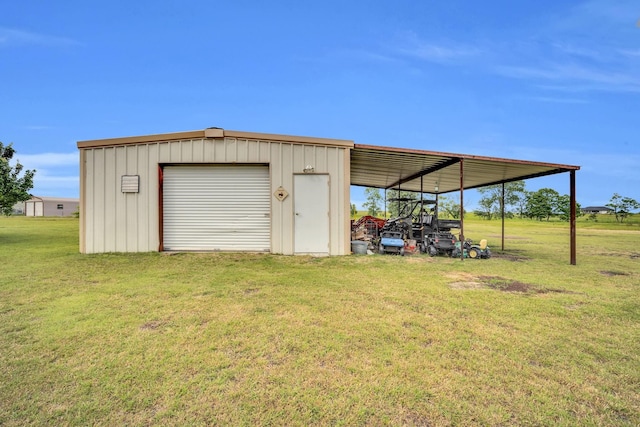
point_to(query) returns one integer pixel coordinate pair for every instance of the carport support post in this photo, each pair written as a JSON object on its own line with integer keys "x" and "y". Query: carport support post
{"x": 385, "y": 203}
{"x": 502, "y": 211}
{"x": 461, "y": 209}
{"x": 572, "y": 220}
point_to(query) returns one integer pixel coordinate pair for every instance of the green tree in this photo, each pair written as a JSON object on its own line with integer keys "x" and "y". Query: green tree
{"x": 374, "y": 198}
{"x": 622, "y": 206}
{"x": 521, "y": 204}
{"x": 542, "y": 203}
{"x": 486, "y": 208}
{"x": 491, "y": 200}
{"x": 354, "y": 209}
{"x": 14, "y": 188}
{"x": 563, "y": 208}
{"x": 393, "y": 206}
{"x": 449, "y": 206}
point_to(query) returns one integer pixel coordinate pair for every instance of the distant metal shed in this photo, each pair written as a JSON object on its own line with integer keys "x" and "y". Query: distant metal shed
{"x": 50, "y": 206}
{"x": 187, "y": 191}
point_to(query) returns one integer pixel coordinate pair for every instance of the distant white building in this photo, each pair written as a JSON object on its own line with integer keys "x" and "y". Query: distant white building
{"x": 50, "y": 206}
{"x": 597, "y": 210}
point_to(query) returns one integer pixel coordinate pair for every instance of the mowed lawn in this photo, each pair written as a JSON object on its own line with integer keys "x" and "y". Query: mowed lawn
{"x": 254, "y": 339}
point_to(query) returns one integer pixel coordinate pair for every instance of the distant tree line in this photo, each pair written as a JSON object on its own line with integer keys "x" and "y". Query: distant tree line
{"x": 541, "y": 205}
{"x": 622, "y": 206}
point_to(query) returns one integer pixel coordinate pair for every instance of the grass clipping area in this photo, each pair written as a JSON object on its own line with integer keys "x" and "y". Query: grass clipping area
{"x": 523, "y": 338}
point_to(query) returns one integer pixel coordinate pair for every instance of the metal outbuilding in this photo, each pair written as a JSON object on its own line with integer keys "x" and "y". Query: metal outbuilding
{"x": 50, "y": 206}
{"x": 215, "y": 189}
{"x": 218, "y": 189}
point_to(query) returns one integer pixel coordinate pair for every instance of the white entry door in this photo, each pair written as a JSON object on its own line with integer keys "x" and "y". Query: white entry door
{"x": 311, "y": 210}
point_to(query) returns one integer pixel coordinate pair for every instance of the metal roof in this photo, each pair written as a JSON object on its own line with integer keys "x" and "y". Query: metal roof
{"x": 385, "y": 167}
{"x": 437, "y": 172}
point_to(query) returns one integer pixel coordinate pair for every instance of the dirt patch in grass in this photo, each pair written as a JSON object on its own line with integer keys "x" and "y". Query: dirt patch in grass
{"x": 464, "y": 281}
{"x": 469, "y": 281}
{"x": 419, "y": 258}
{"x": 508, "y": 285}
{"x": 510, "y": 256}
{"x": 152, "y": 325}
{"x": 613, "y": 273}
{"x": 632, "y": 255}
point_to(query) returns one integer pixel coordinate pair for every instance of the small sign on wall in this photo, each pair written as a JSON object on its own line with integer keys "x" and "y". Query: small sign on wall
{"x": 130, "y": 183}
{"x": 281, "y": 193}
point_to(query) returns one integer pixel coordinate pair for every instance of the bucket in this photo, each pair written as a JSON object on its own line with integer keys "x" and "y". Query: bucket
{"x": 359, "y": 247}
{"x": 411, "y": 246}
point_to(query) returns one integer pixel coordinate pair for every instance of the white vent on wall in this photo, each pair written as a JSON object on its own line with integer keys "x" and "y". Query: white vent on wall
{"x": 130, "y": 183}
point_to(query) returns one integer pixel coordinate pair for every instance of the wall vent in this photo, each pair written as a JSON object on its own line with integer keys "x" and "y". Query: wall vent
{"x": 130, "y": 183}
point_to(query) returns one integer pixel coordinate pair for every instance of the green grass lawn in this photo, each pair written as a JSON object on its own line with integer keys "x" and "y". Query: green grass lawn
{"x": 523, "y": 338}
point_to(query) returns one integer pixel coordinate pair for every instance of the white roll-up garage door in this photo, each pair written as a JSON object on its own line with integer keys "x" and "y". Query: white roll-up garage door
{"x": 216, "y": 207}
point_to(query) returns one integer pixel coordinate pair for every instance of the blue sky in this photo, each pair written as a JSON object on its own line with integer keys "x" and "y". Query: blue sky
{"x": 553, "y": 81}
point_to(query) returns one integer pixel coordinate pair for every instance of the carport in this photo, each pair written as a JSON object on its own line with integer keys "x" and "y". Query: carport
{"x": 441, "y": 173}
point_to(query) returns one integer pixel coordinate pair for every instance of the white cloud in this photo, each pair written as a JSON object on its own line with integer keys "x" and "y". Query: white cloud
{"x": 578, "y": 77}
{"x": 38, "y": 127}
{"x": 590, "y": 48}
{"x": 49, "y": 181}
{"x": 61, "y": 182}
{"x": 48, "y": 160}
{"x": 56, "y": 186}
{"x": 371, "y": 56}
{"x": 611, "y": 166}
{"x": 13, "y": 37}
{"x": 557, "y": 100}
{"x": 632, "y": 53}
{"x": 440, "y": 52}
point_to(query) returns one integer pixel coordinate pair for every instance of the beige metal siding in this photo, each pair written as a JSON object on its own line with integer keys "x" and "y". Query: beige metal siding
{"x": 129, "y": 222}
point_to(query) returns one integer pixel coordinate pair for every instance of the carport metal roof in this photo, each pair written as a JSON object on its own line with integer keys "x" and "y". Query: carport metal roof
{"x": 437, "y": 172}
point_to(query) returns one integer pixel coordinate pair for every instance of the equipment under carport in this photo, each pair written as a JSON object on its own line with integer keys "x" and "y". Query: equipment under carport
{"x": 414, "y": 226}
{"x": 391, "y": 242}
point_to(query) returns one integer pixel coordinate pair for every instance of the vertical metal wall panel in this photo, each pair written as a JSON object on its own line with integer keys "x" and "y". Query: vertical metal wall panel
{"x": 87, "y": 215}
{"x": 131, "y": 200}
{"x": 120, "y": 202}
{"x": 98, "y": 205}
{"x": 282, "y": 176}
{"x": 139, "y": 202}
{"x": 221, "y": 207}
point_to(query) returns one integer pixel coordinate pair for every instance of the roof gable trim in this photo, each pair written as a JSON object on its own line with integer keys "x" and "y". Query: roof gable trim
{"x": 214, "y": 133}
